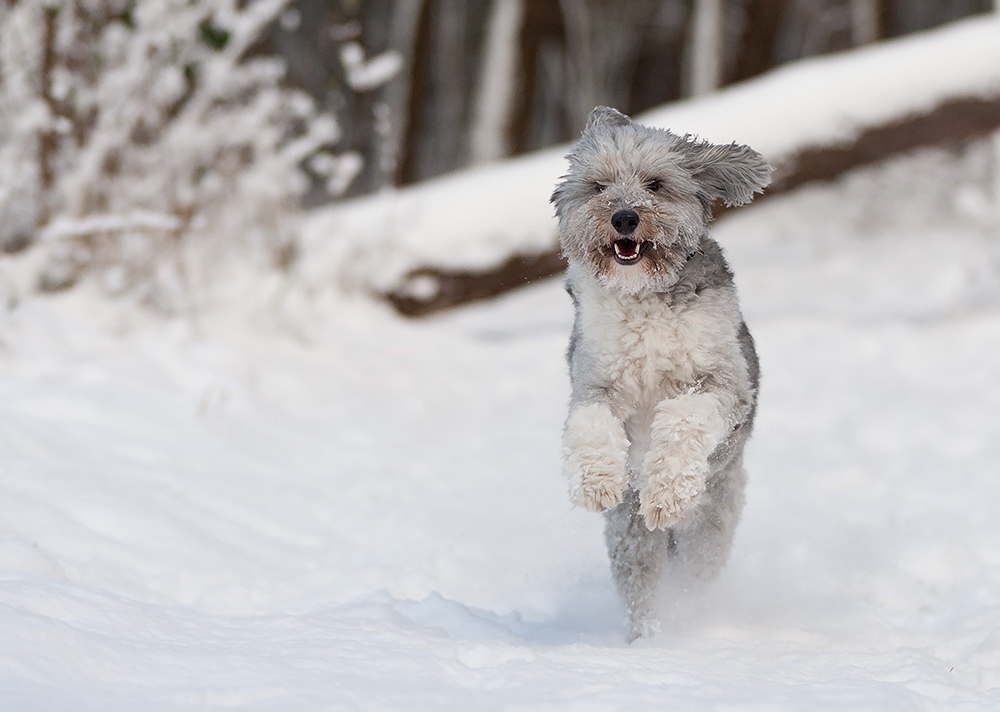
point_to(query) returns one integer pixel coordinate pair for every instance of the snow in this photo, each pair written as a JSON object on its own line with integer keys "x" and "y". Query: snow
{"x": 475, "y": 219}
{"x": 367, "y": 74}
{"x": 62, "y": 228}
{"x": 299, "y": 501}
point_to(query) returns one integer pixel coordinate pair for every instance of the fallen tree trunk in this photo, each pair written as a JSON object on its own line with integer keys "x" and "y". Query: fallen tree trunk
{"x": 950, "y": 123}
{"x": 450, "y": 288}
{"x": 430, "y": 289}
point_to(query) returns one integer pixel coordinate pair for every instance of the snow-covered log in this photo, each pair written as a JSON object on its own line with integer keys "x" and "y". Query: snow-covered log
{"x": 479, "y": 232}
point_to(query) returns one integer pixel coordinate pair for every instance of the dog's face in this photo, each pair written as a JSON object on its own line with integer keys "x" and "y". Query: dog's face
{"x": 637, "y": 200}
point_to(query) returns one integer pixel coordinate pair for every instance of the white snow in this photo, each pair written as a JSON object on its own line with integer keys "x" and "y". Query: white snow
{"x": 366, "y": 74}
{"x": 295, "y": 502}
{"x": 63, "y": 228}
{"x": 477, "y": 218}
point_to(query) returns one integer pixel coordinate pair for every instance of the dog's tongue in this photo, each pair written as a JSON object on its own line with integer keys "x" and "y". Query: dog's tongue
{"x": 626, "y": 249}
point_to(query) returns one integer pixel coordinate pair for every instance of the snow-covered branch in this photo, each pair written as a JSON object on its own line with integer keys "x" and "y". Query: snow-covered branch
{"x": 115, "y": 109}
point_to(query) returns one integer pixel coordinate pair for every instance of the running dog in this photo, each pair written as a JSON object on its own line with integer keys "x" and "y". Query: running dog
{"x": 663, "y": 369}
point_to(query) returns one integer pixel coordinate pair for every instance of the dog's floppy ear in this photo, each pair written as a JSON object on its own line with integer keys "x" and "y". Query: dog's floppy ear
{"x": 731, "y": 172}
{"x": 606, "y": 116}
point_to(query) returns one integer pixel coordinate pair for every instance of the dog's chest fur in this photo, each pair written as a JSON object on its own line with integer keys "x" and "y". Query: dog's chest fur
{"x": 647, "y": 349}
{"x": 640, "y": 350}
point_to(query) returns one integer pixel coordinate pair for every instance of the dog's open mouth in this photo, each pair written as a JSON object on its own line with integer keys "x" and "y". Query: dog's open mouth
{"x": 628, "y": 252}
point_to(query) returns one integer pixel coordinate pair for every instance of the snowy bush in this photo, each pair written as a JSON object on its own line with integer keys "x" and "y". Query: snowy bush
{"x": 145, "y": 144}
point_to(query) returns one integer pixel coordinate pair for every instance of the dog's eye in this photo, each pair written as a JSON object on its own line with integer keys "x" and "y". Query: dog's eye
{"x": 653, "y": 186}
{"x": 599, "y": 187}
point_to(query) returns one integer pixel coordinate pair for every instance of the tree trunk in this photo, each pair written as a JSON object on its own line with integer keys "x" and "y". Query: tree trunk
{"x": 392, "y": 115}
{"x": 760, "y": 32}
{"x": 493, "y": 112}
{"x": 865, "y": 21}
{"x": 705, "y": 49}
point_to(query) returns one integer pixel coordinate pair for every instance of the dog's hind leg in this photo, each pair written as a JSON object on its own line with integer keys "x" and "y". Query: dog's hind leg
{"x": 703, "y": 539}
{"x": 638, "y": 560}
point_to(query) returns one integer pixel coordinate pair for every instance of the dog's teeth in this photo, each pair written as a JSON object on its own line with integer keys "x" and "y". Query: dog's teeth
{"x": 632, "y": 254}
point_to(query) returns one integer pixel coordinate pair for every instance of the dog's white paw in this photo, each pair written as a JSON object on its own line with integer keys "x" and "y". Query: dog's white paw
{"x": 597, "y": 492}
{"x": 666, "y": 501}
{"x": 595, "y": 449}
{"x": 684, "y": 433}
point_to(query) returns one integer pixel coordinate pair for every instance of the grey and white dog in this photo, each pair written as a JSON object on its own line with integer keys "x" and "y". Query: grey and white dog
{"x": 664, "y": 371}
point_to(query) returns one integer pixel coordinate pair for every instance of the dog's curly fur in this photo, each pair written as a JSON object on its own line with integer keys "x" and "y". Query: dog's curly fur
{"x": 664, "y": 371}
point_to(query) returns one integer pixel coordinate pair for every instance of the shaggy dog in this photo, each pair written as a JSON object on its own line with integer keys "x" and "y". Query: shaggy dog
{"x": 663, "y": 369}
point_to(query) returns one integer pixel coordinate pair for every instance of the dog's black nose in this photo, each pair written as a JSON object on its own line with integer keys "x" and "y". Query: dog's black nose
{"x": 625, "y": 221}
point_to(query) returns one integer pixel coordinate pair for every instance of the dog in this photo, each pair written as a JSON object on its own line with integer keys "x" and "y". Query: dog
{"x": 663, "y": 369}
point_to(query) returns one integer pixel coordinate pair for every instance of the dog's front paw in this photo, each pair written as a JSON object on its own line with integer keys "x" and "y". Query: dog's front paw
{"x": 666, "y": 500}
{"x": 684, "y": 433}
{"x": 597, "y": 492}
{"x": 596, "y": 449}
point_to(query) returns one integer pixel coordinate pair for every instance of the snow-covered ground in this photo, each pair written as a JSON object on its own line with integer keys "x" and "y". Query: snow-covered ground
{"x": 308, "y": 503}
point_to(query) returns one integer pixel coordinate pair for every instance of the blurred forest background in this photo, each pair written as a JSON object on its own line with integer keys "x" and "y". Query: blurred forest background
{"x": 134, "y": 129}
{"x": 486, "y": 79}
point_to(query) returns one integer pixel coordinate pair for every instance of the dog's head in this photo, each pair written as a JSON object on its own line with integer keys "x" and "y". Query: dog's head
{"x": 637, "y": 200}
